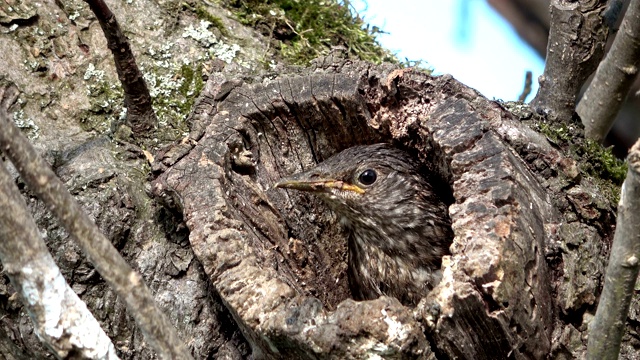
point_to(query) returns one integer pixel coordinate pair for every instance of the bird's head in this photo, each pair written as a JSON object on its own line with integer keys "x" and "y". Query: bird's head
{"x": 397, "y": 224}
{"x": 376, "y": 183}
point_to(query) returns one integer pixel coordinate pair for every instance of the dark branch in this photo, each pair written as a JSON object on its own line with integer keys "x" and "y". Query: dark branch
{"x": 527, "y": 86}
{"x": 137, "y": 99}
{"x": 612, "y": 13}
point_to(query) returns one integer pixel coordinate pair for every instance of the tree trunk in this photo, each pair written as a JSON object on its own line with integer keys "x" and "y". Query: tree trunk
{"x": 257, "y": 272}
{"x": 523, "y": 218}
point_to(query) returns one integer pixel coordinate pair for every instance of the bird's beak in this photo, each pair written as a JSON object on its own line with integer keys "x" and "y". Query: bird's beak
{"x": 317, "y": 185}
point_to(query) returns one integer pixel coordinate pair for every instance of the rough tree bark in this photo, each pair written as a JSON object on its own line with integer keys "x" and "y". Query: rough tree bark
{"x": 518, "y": 283}
{"x": 257, "y": 270}
{"x": 577, "y": 38}
{"x": 55, "y": 53}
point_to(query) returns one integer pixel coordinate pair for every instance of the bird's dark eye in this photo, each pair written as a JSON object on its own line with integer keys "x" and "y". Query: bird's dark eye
{"x": 368, "y": 177}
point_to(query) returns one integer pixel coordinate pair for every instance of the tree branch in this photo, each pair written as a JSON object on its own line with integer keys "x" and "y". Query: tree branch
{"x": 526, "y": 90}
{"x": 137, "y": 99}
{"x": 576, "y": 44}
{"x": 608, "y": 326}
{"x": 605, "y": 95}
{"x": 61, "y": 320}
{"x": 127, "y": 283}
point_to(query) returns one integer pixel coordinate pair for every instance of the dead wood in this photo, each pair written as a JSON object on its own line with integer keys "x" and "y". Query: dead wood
{"x": 524, "y": 218}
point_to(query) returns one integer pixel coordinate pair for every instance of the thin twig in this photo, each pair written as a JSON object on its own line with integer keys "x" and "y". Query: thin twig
{"x": 609, "y": 88}
{"x": 527, "y": 86}
{"x": 137, "y": 99}
{"x": 126, "y": 282}
{"x": 607, "y": 327}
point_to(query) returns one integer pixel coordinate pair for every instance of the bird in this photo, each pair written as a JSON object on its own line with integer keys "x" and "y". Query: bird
{"x": 397, "y": 222}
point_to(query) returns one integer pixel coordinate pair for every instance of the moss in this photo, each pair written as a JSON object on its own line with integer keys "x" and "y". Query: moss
{"x": 594, "y": 159}
{"x": 307, "y": 29}
{"x": 602, "y": 162}
{"x": 94, "y": 122}
{"x": 192, "y": 85}
{"x": 174, "y": 90}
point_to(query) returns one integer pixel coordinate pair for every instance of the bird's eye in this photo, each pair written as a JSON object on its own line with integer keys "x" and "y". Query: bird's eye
{"x": 368, "y": 177}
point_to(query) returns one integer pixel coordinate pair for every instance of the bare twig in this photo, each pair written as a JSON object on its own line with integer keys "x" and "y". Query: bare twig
{"x": 126, "y": 282}
{"x": 576, "y": 45}
{"x": 607, "y": 327}
{"x": 60, "y": 318}
{"x": 137, "y": 99}
{"x": 527, "y": 86}
{"x": 615, "y": 75}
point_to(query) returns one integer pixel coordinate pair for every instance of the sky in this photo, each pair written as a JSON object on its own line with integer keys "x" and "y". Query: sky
{"x": 486, "y": 55}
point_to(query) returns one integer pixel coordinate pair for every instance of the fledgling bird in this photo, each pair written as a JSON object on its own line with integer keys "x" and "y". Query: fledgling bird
{"x": 398, "y": 225}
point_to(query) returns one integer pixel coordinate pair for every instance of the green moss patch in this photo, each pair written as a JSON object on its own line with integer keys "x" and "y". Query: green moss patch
{"x": 594, "y": 159}
{"x": 306, "y": 29}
